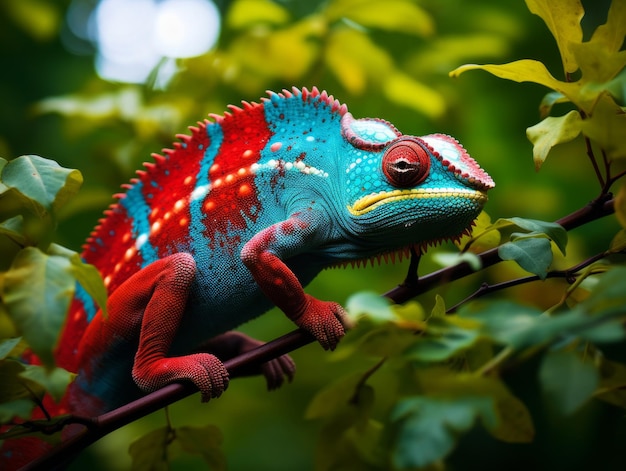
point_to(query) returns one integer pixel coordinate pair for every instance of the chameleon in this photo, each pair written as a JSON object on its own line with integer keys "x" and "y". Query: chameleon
{"x": 237, "y": 217}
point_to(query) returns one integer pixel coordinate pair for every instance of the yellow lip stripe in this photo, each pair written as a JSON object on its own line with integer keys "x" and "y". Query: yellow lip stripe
{"x": 372, "y": 201}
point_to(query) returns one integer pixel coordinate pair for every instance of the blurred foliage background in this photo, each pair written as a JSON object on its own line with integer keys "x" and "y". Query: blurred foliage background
{"x": 383, "y": 59}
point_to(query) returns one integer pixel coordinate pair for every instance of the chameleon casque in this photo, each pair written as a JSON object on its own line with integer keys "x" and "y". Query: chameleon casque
{"x": 237, "y": 217}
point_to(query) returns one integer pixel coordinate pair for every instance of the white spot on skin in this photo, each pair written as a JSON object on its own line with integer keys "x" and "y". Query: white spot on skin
{"x": 197, "y": 193}
{"x": 309, "y": 139}
{"x": 141, "y": 239}
{"x": 180, "y": 204}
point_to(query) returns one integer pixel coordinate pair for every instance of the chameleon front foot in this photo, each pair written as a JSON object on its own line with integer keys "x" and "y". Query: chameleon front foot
{"x": 325, "y": 320}
{"x": 206, "y": 371}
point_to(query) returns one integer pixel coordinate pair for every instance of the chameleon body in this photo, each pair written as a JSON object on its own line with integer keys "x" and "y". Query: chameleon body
{"x": 237, "y": 217}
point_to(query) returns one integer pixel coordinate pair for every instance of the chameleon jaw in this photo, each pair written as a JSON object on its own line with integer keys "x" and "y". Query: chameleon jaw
{"x": 372, "y": 201}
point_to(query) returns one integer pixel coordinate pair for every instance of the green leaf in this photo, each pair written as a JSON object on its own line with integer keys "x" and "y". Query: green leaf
{"x": 37, "y": 293}
{"x": 370, "y": 305}
{"x": 42, "y": 180}
{"x": 13, "y": 228}
{"x": 149, "y": 452}
{"x": 514, "y": 423}
{"x": 426, "y": 428}
{"x": 439, "y": 309}
{"x": 563, "y": 20}
{"x": 205, "y": 441}
{"x": 344, "y": 392}
{"x": 552, "y": 230}
{"x": 87, "y": 275}
{"x": 533, "y": 255}
{"x": 449, "y": 259}
{"x": 608, "y": 297}
{"x": 21, "y": 408}
{"x": 7, "y": 345}
{"x": 366, "y": 440}
{"x": 568, "y": 380}
{"x": 612, "y": 387}
{"x": 611, "y": 34}
{"x": 383, "y": 340}
{"x": 443, "y": 339}
{"x": 548, "y": 101}
{"x": 3, "y": 187}
{"x": 503, "y": 322}
{"x": 54, "y": 381}
{"x": 12, "y": 385}
{"x": 552, "y": 131}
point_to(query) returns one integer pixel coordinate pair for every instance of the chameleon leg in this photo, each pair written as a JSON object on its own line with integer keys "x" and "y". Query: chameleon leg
{"x": 232, "y": 344}
{"x": 262, "y": 255}
{"x": 150, "y": 305}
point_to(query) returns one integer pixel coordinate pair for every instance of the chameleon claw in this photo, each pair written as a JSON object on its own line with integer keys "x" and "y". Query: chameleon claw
{"x": 206, "y": 371}
{"x": 325, "y": 320}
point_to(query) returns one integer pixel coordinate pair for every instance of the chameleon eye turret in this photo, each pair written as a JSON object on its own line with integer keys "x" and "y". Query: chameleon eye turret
{"x": 406, "y": 163}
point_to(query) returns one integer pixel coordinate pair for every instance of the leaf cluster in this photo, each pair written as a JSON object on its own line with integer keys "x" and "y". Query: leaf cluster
{"x": 598, "y": 92}
{"x": 38, "y": 281}
{"x": 449, "y": 367}
{"x": 155, "y": 450}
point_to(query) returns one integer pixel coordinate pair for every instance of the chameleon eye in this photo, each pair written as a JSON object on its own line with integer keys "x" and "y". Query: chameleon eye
{"x": 406, "y": 163}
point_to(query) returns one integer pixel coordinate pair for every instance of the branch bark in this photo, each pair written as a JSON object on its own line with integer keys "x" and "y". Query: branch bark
{"x": 110, "y": 421}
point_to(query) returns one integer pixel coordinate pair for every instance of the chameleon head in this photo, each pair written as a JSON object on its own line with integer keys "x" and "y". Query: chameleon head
{"x": 413, "y": 190}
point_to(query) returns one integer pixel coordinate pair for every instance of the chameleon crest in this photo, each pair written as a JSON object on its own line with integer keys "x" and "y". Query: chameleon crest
{"x": 237, "y": 217}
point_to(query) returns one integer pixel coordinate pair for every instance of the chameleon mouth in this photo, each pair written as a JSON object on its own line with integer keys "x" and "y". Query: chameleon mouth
{"x": 370, "y": 202}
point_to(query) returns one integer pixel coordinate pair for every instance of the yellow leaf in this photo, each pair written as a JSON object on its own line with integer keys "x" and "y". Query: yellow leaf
{"x": 483, "y": 236}
{"x": 611, "y": 34}
{"x": 402, "y": 16}
{"x": 246, "y": 13}
{"x": 552, "y": 131}
{"x": 620, "y": 205}
{"x": 403, "y": 90}
{"x": 563, "y": 20}
{"x": 39, "y": 18}
{"x": 597, "y": 64}
{"x": 528, "y": 70}
{"x": 354, "y": 58}
{"x": 287, "y": 54}
{"x": 607, "y": 127}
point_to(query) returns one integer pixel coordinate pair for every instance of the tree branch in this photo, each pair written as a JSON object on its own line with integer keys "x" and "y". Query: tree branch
{"x": 110, "y": 421}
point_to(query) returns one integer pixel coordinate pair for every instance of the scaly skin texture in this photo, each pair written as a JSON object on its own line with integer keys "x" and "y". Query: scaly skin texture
{"x": 238, "y": 217}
